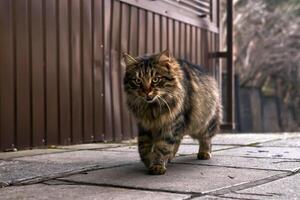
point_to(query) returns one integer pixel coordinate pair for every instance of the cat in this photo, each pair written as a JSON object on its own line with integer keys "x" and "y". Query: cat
{"x": 170, "y": 98}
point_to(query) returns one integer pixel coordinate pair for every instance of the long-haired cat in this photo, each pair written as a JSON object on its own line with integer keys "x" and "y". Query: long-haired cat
{"x": 170, "y": 98}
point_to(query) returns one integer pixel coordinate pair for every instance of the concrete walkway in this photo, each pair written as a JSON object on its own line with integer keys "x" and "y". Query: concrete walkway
{"x": 244, "y": 166}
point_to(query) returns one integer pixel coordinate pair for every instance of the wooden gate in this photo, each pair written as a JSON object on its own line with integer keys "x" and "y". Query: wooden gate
{"x": 61, "y": 70}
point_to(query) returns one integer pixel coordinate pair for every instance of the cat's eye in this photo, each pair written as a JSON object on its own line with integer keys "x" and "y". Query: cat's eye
{"x": 156, "y": 80}
{"x": 138, "y": 81}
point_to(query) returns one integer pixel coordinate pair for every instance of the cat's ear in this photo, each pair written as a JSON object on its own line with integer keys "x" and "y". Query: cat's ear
{"x": 129, "y": 60}
{"x": 164, "y": 56}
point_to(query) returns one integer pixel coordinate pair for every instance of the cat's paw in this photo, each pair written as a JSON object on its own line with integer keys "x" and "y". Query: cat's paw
{"x": 157, "y": 170}
{"x": 204, "y": 155}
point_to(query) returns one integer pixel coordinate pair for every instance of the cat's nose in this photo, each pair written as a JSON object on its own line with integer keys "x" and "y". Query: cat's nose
{"x": 149, "y": 92}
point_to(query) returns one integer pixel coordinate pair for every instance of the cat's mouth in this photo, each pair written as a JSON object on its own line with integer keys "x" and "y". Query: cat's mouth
{"x": 150, "y": 99}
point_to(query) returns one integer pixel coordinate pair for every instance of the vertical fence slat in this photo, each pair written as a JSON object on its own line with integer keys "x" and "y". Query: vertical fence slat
{"x": 193, "y": 45}
{"x": 87, "y": 71}
{"x": 76, "y": 89}
{"x": 98, "y": 71}
{"x": 164, "y": 36}
{"x": 23, "y": 74}
{"x": 157, "y": 33}
{"x": 133, "y": 43}
{"x": 107, "y": 71}
{"x": 218, "y": 62}
{"x": 126, "y": 120}
{"x": 213, "y": 61}
{"x": 182, "y": 41}
{"x": 51, "y": 74}
{"x": 170, "y": 31}
{"x": 204, "y": 48}
{"x": 115, "y": 61}
{"x": 149, "y": 33}
{"x": 188, "y": 42}
{"x": 176, "y": 39}
{"x": 142, "y": 32}
{"x": 64, "y": 67}
{"x": 209, "y": 46}
{"x": 7, "y": 76}
{"x": 199, "y": 45}
{"x": 38, "y": 106}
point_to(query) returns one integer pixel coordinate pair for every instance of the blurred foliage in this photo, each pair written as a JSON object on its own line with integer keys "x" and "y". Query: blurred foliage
{"x": 267, "y": 48}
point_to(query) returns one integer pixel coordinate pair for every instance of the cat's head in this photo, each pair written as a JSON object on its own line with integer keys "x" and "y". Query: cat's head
{"x": 151, "y": 78}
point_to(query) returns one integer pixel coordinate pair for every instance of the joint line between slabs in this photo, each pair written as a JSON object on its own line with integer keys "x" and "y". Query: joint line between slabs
{"x": 72, "y": 182}
{"x": 234, "y": 167}
{"x": 40, "y": 179}
{"x": 250, "y": 184}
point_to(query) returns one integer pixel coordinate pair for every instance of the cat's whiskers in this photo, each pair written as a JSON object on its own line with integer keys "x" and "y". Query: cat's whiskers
{"x": 158, "y": 104}
{"x": 137, "y": 102}
{"x": 165, "y": 103}
{"x": 169, "y": 93}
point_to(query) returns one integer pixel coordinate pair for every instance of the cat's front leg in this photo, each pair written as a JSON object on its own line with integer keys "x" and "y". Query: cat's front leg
{"x": 145, "y": 147}
{"x": 162, "y": 152}
{"x": 153, "y": 155}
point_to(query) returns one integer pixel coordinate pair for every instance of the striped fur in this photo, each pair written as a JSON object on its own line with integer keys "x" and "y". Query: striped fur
{"x": 170, "y": 98}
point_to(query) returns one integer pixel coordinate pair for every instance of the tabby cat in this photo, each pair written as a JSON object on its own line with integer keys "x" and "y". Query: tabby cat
{"x": 170, "y": 98}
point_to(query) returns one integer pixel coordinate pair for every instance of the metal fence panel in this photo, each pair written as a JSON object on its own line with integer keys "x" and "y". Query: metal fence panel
{"x": 61, "y": 70}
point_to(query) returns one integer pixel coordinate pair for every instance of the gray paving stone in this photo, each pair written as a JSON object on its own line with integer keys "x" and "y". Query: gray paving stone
{"x": 179, "y": 177}
{"x": 247, "y": 139}
{"x": 184, "y": 149}
{"x": 124, "y": 149}
{"x": 242, "y": 162}
{"x": 90, "y": 146}
{"x": 81, "y": 192}
{"x": 84, "y": 157}
{"x": 237, "y": 138}
{"x": 270, "y": 152}
{"x": 49, "y": 165}
{"x": 193, "y": 149}
{"x": 292, "y": 142}
{"x": 240, "y": 139}
{"x": 16, "y": 154}
{"x": 286, "y": 188}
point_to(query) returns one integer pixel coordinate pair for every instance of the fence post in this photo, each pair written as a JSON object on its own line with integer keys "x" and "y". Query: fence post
{"x": 230, "y": 68}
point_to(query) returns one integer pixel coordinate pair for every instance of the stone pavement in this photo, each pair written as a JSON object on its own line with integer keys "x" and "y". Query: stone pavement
{"x": 244, "y": 166}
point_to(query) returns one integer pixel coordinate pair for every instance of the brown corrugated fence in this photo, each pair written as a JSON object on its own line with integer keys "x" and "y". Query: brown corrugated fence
{"x": 61, "y": 71}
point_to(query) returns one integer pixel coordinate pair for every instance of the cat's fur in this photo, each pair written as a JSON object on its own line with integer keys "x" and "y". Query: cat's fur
{"x": 170, "y": 99}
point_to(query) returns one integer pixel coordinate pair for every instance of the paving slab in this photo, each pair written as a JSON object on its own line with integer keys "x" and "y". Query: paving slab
{"x": 242, "y": 162}
{"x": 179, "y": 177}
{"x": 183, "y": 149}
{"x": 193, "y": 149}
{"x": 91, "y": 146}
{"x": 81, "y": 192}
{"x": 268, "y": 152}
{"x": 133, "y": 148}
{"x": 247, "y": 139}
{"x": 286, "y": 188}
{"x": 51, "y": 165}
{"x": 208, "y": 197}
{"x": 291, "y": 142}
{"x": 240, "y": 139}
{"x": 84, "y": 157}
{"x": 16, "y": 154}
